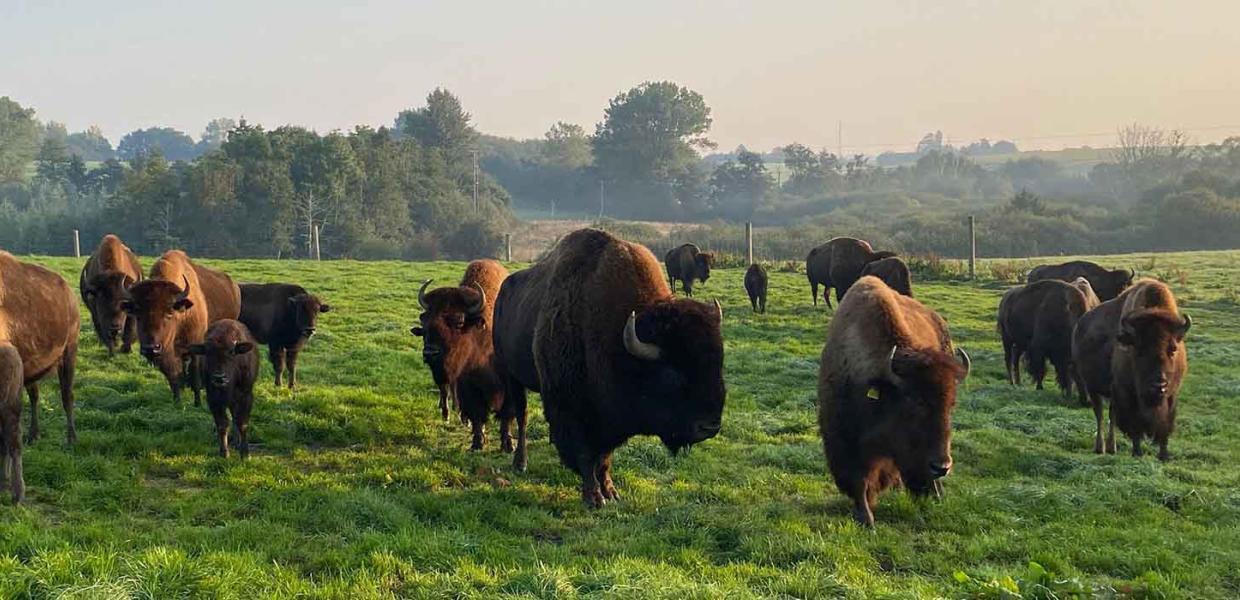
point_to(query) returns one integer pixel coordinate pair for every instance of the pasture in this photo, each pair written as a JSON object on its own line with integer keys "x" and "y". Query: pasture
{"x": 355, "y": 489}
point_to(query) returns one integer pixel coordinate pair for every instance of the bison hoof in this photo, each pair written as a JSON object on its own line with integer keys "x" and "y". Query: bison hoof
{"x": 32, "y": 436}
{"x": 609, "y": 492}
{"x": 1098, "y": 447}
{"x": 863, "y": 518}
{"x": 505, "y": 446}
{"x": 1163, "y": 455}
{"x": 593, "y": 498}
{"x": 519, "y": 464}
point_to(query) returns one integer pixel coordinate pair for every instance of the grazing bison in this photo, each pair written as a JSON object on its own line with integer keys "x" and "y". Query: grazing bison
{"x": 39, "y": 317}
{"x": 755, "y": 285}
{"x": 1038, "y": 319}
{"x": 886, "y": 390}
{"x": 230, "y": 369}
{"x": 1106, "y": 284}
{"x": 837, "y": 264}
{"x": 173, "y": 308}
{"x": 457, "y": 342}
{"x": 617, "y": 355}
{"x": 1147, "y": 364}
{"x": 11, "y": 420}
{"x": 103, "y": 283}
{"x": 686, "y": 263}
{"x": 284, "y": 317}
{"x": 893, "y": 271}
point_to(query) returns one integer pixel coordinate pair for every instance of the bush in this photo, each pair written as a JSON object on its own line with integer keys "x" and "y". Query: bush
{"x": 378, "y": 249}
{"x": 474, "y": 239}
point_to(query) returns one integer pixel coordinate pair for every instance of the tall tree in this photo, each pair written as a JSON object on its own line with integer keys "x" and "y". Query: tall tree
{"x": 739, "y": 186}
{"x": 90, "y": 144}
{"x": 442, "y": 124}
{"x": 19, "y": 139}
{"x": 566, "y": 145}
{"x": 170, "y": 143}
{"x": 215, "y": 134}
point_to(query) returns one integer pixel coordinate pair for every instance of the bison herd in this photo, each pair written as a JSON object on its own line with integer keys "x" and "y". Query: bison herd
{"x": 595, "y": 329}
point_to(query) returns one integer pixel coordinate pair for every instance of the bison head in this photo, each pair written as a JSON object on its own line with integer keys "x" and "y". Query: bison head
{"x": 449, "y": 316}
{"x": 702, "y": 262}
{"x": 305, "y": 309}
{"x": 1155, "y": 340}
{"x": 679, "y": 378}
{"x": 104, "y": 293}
{"x": 157, "y": 305}
{"x": 220, "y": 354}
{"x": 920, "y": 393}
{"x": 1113, "y": 283}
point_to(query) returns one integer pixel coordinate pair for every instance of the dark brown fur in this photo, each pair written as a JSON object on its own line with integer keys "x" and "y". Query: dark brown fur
{"x": 903, "y": 435}
{"x": 1106, "y": 284}
{"x": 837, "y": 264}
{"x": 105, "y": 278}
{"x": 1038, "y": 319}
{"x": 168, "y": 325}
{"x": 11, "y": 421}
{"x": 39, "y": 316}
{"x": 599, "y": 390}
{"x": 685, "y": 263}
{"x": 284, "y": 316}
{"x": 230, "y": 367}
{"x": 893, "y": 271}
{"x": 756, "y": 282}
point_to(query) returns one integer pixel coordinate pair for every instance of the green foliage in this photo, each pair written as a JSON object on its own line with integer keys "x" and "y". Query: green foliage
{"x": 19, "y": 139}
{"x": 442, "y": 124}
{"x": 739, "y": 187}
{"x": 1036, "y": 583}
{"x": 170, "y": 143}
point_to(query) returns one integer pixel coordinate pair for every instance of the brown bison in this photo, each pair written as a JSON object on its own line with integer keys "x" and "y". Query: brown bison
{"x": 1106, "y": 284}
{"x": 1131, "y": 349}
{"x": 230, "y": 369}
{"x": 39, "y": 316}
{"x": 103, "y": 283}
{"x": 755, "y": 285}
{"x": 686, "y": 263}
{"x": 457, "y": 342}
{"x": 517, "y": 308}
{"x": 1038, "y": 319}
{"x": 837, "y": 264}
{"x": 617, "y": 355}
{"x": 11, "y": 421}
{"x": 893, "y": 271}
{"x": 283, "y": 316}
{"x": 886, "y": 390}
{"x": 173, "y": 308}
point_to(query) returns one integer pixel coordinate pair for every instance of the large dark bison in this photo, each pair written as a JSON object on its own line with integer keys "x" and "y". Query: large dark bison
{"x": 11, "y": 421}
{"x": 230, "y": 367}
{"x": 1107, "y": 284}
{"x": 685, "y": 263}
{"x": 105, "y": 278}
{"x": 617, "y": 355}
{"x": 39, "y": 317}
{"x": 456, "y": 329}
{"x": 1131, "y": 349}
{"x": 893, "y": 271}
{"x": 284, "y": 317}
{"x": 837, "y": 264}
{"x": 173, "y": 308}
{"x": 1038, "y": 319}
{"x": 886, "y": 390}
{"x": 517, "y": 308}
{"x": 755, "y": 286}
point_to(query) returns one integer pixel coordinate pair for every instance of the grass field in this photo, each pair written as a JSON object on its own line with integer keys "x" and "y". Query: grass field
{"x": 357, "y": 490}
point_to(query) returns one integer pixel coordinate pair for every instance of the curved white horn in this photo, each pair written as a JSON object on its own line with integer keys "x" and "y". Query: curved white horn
{"x": 634, "y": 345}
{"x": 965, "y": 362}
{"x": 719, "y": 309}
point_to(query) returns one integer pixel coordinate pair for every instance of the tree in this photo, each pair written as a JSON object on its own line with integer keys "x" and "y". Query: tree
{"x": 52, "y": 162}
{"x": 442, "y": 124}
{"x": 19, "y": 140}
{"x": 567, "y": 146}
{"x": 215, "y": 134}
{"x": 810, "y": 172}
{"x": 738, "y": 187}
{"x": 90, "y": 144}
{"x": 171, "y": 144}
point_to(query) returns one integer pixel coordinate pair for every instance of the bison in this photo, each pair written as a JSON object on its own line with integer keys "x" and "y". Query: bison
{"x": 837, "y": 264}
{"x": 173, "y": 308}
{"x": 456, "y": 328}
{"x": 230, "y": 369}
{"x": 617, "y": 355}
{"x": 1132, "y": 349}
{"x": 284, "y": 317}
{"x": 1038, "y": 319}
{"x": 39, "y": 317}
{"x": 886, "y": 390}
{"x": 893, "y": 271}
{"x": 686, "y": 263}
{"x": 517, "y": 308}
{"x": 1106, "y": 284}
{"x": 11, "y": 421}
{"x": 755, "y": 285}
{"x": 107, "y": 275}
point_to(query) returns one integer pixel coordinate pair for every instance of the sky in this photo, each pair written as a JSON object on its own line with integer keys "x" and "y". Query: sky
{"x": 1045, "y": 73}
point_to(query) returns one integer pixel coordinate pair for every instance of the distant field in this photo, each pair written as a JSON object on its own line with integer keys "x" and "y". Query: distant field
{"x": 357, "y": 490}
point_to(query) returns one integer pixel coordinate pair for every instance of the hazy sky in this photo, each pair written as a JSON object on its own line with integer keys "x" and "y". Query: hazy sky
{"x": 1046, "y": 73}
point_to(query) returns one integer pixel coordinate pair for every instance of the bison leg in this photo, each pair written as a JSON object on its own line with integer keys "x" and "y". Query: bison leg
{"x": 687, "y": 284}
{"x": 588, "y": 465}
{"x": 218, "y": 412}
{"x": 753, "y": 301}
{"x": 505, "y": 434}
{"x": 763, "y": 304}
{"x": 604, "y": 477}
{"x": 130, "y": 334}
{"x": 1163, "y": 454}
{"x": 478, "y": 426}
{"x": 195, "y": 378}
{"x": 12, "y": 444}
{"x": 1007, "y": 362}
{"x": 32, "y": 391}
{"x": 1096, "y": 400}
{"x": 1136, "y": 445}
{"x": 826, "y": 295}
{"x": 443, "y": 401}
{"x": 1016, "y": 355}
{"x": 1081, "y": 392}
{"x": 241, "y": 422}
{"x": 813, "y": 292}
{"x": 863, "y": 511}
{"x": 65, "y": 373}
{"x": 292, "y": 368}
{"x": 517, "y": 402}
{"x": 1110, "y": 447}
{"x": 276, "y": 354}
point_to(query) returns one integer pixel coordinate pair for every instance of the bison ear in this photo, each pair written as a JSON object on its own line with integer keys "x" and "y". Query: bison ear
{"x": 242, "y": 347}
{"x": 903, "y": 363}
{"x": 183, "y": 304}
{"x": 325, "y": 308}
{"x": 198, "y": 349}
{"x": 1184, "y": 326}
{"x": 1126, "y": 336}
{"x": 418, "y": 331}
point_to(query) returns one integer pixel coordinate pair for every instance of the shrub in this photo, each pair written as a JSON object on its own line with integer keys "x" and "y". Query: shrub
{"x": 474, "y": 239}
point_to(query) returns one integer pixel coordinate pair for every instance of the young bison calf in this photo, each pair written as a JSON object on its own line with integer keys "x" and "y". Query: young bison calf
{"x": 230, "y": 368}
{"x": 11, "y": 420}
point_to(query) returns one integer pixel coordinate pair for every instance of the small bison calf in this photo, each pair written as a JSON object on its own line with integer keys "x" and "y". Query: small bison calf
{"x": 755, "y": 285}
{"x": 11, "y": 420}
{"x": 230, "y": 368}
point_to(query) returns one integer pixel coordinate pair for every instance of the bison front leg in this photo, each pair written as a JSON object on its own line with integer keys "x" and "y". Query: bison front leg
{"x": 32, "y": 391}
{"x": 276, "y": 355}
{"x": 1163, "y": 454}
{"x": 1136, "y": 445}
{"x": 11, "y": 442}
{"x": 241, "y": 422}
{"x": 194, "y": 372}
{"x": 863, "y": 511}
{"x": 1096, "y": 400}
{"x": 219, "y": 413}
{"x": 292, "y": 368}
{"x": 813, "y": 291}
{"x": 65, "y": 373}
{"x": 604, "y": 477}
{"x": 588, "y": 465}
{"x": 478, "y": 427}
{"x": 1110, "y": 444}
{"x": 443, "y": 401}
{"x": 130, "y": 334}
{"x": 505, "y": 434}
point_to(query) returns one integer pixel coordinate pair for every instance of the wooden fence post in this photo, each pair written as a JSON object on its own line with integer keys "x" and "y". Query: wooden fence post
{"x": 77, "y": 246}
{"x": 972, "y": 249}
{"x": 317, "y": 251}
{"x": 508, "y": 247}
{"x": 749, "y": 242}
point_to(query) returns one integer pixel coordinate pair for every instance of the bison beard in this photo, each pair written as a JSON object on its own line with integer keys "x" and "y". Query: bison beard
{"x": 617, "y": 356}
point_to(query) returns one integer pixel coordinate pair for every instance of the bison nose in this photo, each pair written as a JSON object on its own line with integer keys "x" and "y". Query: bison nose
{"x": 114, "y": 331}
{"x": 219, "y": 379}
{"x": 152, "y": 350}
{"x": 940, "y": 469}
{"x": 431, "y": 353}
{"x": 309, "y": 331}
{"x": 708, "y": 430}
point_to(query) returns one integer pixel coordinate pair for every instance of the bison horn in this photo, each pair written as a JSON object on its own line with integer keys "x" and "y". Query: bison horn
{"x": 476, "y": 308}
{"x": 185, "y": 290}
{"x": 1188, "y": 323}
{"x": 965, "y": 362}
{"x": 719, "y": 310}
{"x": 636, "y": 347}
{"x": 891, "y": 359}
{"x": 422, "y": 294}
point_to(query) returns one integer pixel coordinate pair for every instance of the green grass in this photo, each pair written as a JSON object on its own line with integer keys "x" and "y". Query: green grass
{"x": 356, "y": 490}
